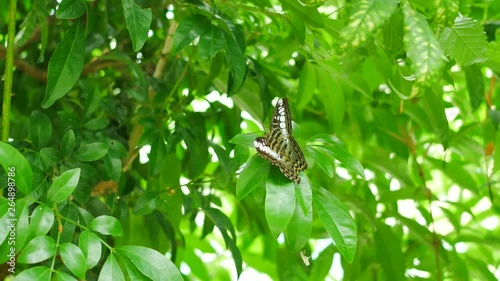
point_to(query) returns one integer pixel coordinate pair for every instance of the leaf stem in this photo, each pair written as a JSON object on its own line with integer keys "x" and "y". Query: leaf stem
{"x": 9, "y": 69}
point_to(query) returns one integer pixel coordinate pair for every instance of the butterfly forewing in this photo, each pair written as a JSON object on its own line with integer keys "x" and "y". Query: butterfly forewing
{"x": 279, "y": 146}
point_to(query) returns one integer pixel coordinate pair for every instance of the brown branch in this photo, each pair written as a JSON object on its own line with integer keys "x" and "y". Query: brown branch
{"x": 435, "y": 240}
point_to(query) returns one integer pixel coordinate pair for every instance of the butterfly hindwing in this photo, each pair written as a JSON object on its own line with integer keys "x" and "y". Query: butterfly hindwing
{"x": 279, "y": 146}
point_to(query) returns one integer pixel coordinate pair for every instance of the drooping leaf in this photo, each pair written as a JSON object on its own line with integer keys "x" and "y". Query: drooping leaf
{"x": 422, "y": 47}
{"x": 65, "y": 65}
{"x": 280, "y": 201}
{"x": 337, "y": 222}
{"x": 188, "y": 29}
{"x": 138, "y": 23}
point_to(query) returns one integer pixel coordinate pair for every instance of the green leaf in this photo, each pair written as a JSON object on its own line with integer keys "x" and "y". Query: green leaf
{"x": 456, "y": 172}
{"x": 74, "y": 259}
{"x": 107, "y": 225}
{"x": 38, "y": 249}
{"x": 255, "y": 171}
{"x": 65, "y": 65}
{"x": 299, "y": 228}
{"x": 40, "y": 129}
{"x": 68, "y": 143}
{"x": 63, "y": 186}
{"x": 388, "y": 248}
{"x": 322, "y": 264}
{"x": 151, "y": 263}
{"x": 93, "y": 99}
{"x": 40, "y": 273}
{"x": 188, "y": 29}
{"x": 446, "y": 12}
{"x": 367, "y": 17}
{"x": 465, "y": 42}
{"x": 63, "y": 276}
{"x": 111, "y": 270}
{"x": 113, "y": 167}
{"x": 70, "y": 9}
{"x": 422, "y": 47}
{"x": 244, "y": 139}
{"x": 236, "y": 61}
{"x": 332, "y": 99}
{"x": 47, "y": 158}
{"x": 96, "y": 124}
{"x": 475, "y": 85}
{"x": 17, "y": 169}
{"x": 331, "y": 145}
{"x": 323, "y": 160}
{"x": 157, "y": 155}
{"x": 90, "y": 244}
{"x": 308, "y": 14}
{"x": 337, "y": 221}
{"x": 138, "y": 23}
{"x": 146, "y": 203}
{"x": 434, "y": 108}
{"x": 91, "y": 151}
{"x": 224, "y": 225}
{"x": 211, "y": 43}
{"x": 41, "y": 221}
{"x": 280, "y": 201}
{"x": 307, "y": 84}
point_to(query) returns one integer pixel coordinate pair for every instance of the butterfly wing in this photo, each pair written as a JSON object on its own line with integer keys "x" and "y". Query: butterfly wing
{"x": 279, "y": 146}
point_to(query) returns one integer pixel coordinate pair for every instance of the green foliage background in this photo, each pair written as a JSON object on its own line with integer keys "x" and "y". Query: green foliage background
{"x": 396, "y": 110}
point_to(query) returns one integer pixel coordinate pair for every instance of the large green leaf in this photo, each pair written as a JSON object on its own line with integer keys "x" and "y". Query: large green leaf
{"x": 74, "y": 259}
{"x": 107, "y": 225}
{"x": 188, "y": 29}
{"x": 226, "y": 227}
{"x": 337, "y": 221}
{"x": 465, "y": 41}
{"x": 65, "y": 65}
{"x": 280, "y": 201}
{"x": 63, "y": 186}
{"x": 39, "y": 249}
{"x": 40, "y": 129}
{"x": 211, "y": 42}
{"x": 475, "y": 85}
{"x": 299, "y": 228}
{"x": 255, "y": 171}
{"x": 70, "y": 9}
{"x": 17, "y": 169}
{"x": 91, "y": 151}
{"x": 422, "y": 47}
{"x": 138, "y": 23}
{"x": 90, "y": 244}
{"x": 111, "y": 270}
{"x": 151, "y": 263}
{"x": 434, "y": 108}
{"x": 41, "y": 221}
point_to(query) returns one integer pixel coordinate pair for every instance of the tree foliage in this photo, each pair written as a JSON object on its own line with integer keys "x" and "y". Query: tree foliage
{"x": 128, "y": 129}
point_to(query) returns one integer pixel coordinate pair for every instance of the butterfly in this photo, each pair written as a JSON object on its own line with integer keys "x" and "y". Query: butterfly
{"x": 279, "y": 146}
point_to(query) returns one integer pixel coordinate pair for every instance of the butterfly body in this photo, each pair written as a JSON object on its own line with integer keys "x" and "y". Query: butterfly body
{"x": 279, "y": 146}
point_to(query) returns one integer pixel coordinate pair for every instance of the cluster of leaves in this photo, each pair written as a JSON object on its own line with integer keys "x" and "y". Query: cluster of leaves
{"x": 401, "y": 84}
